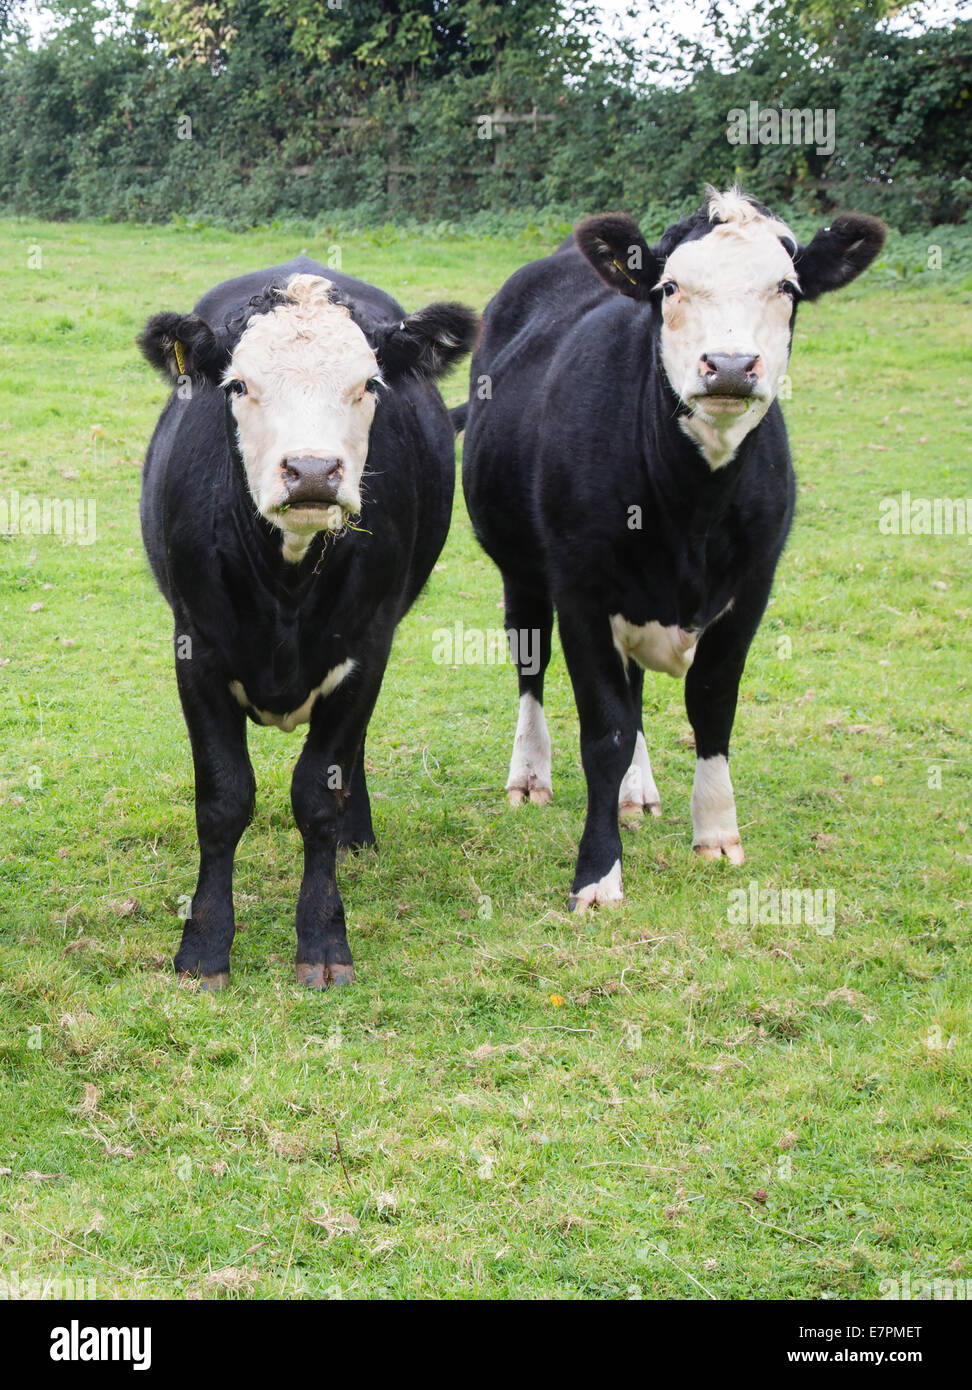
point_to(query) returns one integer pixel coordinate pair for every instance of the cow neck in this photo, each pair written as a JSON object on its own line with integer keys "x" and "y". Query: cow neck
{"x": 258, "y": 545}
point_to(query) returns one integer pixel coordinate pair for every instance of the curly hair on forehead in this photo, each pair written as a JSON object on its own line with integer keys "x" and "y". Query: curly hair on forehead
{"x": 269, "y": 298}
{"x": 734, "y": 210}
{"x": 733, "y": 205}
{"x": 299, "y": 289}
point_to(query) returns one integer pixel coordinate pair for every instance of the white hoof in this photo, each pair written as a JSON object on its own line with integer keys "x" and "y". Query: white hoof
{"x": 529, "y": 778}
{"x": 638, "y": 792}
{"x": 715, "y": 834}
{"x": 540, "y": 796}
{"x": 726, "y": 849}
{"x": 606, "y": 891}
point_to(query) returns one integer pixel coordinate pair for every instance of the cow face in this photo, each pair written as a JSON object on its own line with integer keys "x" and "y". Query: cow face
{"x": 727, "y": 303}
{"x": 303, "y": 383}
{"x": 724, "y": 284}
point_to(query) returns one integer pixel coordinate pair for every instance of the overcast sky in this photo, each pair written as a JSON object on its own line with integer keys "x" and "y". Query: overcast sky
{"x": 688, "y": 19}
{"x": 682, "y": 16}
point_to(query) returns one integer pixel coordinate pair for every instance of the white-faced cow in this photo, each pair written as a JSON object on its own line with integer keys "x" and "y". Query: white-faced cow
{"x": 626, "y": 463}
{"x": 296, "y": 494}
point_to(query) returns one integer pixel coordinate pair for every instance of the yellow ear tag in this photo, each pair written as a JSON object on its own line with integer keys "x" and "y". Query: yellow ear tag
{"x": 180, "y": 356}
{"x": 618, "y": 266}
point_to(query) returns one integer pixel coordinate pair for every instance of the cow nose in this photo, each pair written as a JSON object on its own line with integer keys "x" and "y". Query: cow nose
{"x": 308, "y": 478}
{"x": 729, "y": 373}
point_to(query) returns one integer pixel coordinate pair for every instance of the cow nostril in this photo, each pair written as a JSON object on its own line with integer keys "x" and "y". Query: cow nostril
{"x": 705, "y": 366}
{"x": 335, "y": 470}
{"x": 290, "y": 473}
{"x": 751, "y": 367}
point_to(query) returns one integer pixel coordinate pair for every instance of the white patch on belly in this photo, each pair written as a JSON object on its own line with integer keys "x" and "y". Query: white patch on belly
{"x": 638, "y": 785}
{"x": 530, "y": 763}
{"x": 289, "y": 722}
{"x": 606, "y": 890}
{"x": 656, "y": 648}
{"x": 714, "y": 829}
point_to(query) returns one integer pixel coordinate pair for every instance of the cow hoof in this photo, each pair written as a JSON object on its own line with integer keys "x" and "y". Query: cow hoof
{"x": 605, "y": 893}
{"x": 207, "y": 984}
{"x": 359, "y": 849}
{"x": 638, "y": 792}
{"x": 540, "y": 796}
{"x": 730, "y": 849}
{"x": 324, "y": 976}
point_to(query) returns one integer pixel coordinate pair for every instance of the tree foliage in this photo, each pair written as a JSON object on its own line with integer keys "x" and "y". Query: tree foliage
{"x": 260, "y": 109}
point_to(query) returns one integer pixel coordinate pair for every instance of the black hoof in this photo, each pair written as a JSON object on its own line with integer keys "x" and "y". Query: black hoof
{"x": 357, "y": 846}
{"x": 324, "y": 976}
{"x": 208, "y": 984}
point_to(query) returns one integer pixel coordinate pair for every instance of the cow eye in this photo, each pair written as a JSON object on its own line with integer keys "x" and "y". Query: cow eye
{"x": 236, "y": 387}
{"x": 788, "y": 288}
{"x": 669, "y": 288}
{"x": 372, "y": 384}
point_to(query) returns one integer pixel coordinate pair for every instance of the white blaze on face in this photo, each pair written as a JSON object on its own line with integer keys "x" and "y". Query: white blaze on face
{"x": 727, "y": 300}
{"x": 306, "y": 367}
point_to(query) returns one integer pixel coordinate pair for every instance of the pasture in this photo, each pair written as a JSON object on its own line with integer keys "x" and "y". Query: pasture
{"x": 665, "y": 1100}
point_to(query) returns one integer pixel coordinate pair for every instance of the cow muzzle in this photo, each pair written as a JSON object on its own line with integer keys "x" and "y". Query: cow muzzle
{"x": 317, "y": 494}
{"x": 728, "y": 379}
{"x": 311, "y": 482}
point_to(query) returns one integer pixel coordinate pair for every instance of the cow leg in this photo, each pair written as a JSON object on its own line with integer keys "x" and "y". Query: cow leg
{"x": 608, "y": 731}
{"x": 321, "y": 789}
{"x": 638, "y": 790}
{"x": 529, "y": 622}
{"x": 356, "y": 831}
{"x": 711, "y": 692}
{"x": 225, "y": 795}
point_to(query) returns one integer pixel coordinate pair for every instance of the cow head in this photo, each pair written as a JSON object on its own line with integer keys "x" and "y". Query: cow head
{"x": 724, "y": 284}
{"x": 303, "y": 383}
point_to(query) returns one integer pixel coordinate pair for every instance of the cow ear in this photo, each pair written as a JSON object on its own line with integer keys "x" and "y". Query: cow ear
{"x": 183, "y": 345}
{"x": 427, "y": 343}
{"x": 838, "y": 253}
{"x": 619, "y": 253}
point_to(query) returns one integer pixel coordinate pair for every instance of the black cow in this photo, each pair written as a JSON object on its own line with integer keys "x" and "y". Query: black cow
{"x": 297, "y": 492}
{"x": 626, "y": 463}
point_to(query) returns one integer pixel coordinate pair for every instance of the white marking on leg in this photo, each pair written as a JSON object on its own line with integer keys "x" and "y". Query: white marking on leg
{"x": 714, "y": 829}
{"x": 606, "y": 890}
{"x": 289, "y": 722}
{"x": 638, "y": 788}
{"x": 530, "y": 763}
{"x": 335, "y": 676}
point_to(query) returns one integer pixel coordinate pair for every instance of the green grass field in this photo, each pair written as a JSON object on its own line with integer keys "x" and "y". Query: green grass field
{"x": 656, "y": 1101}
